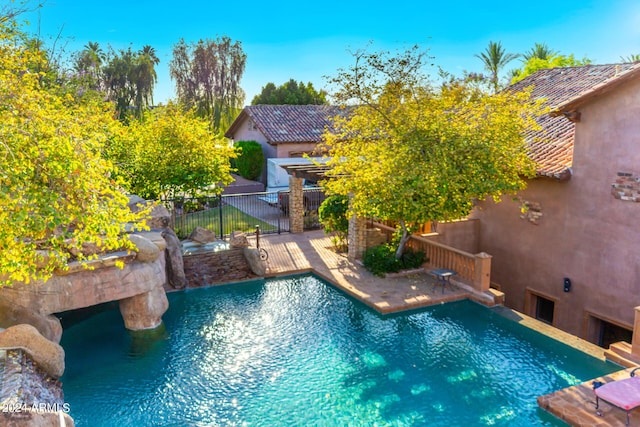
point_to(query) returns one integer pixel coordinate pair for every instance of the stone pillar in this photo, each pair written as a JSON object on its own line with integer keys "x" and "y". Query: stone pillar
{"x": 482, "y": 279}
{"x": 144, "y": 311}
{"x": 296, "y": 205}
{"x": 357, "y": 238}
{"x": 635, "y": 340}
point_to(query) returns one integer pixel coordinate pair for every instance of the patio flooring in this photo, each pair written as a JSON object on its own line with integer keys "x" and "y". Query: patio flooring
{"x": 313, "y": 252}
{"x": 576, "y": 405}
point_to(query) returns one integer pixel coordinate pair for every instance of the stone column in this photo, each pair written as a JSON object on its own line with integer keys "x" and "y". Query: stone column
{"x": 144, "y": 311}
{"x": 635, "y": 340}
{"x": 482, "y": 279}
{"x": 357, "y": 238}
{"x": 296, "y": 205}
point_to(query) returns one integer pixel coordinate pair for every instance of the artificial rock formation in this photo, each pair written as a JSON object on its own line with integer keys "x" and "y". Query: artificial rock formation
{"x": 48, "y": 325}
{"x": 174, "y": 261}
{"x": 202, "y": 235}
{"x": 142, "y": 279}
{"x": 144, "y": 311}
{"x": 48, "y": 355}
{"x": 257, "y": 265}
{"x": 147, "y": 251}
{"x": 238, "y": 240}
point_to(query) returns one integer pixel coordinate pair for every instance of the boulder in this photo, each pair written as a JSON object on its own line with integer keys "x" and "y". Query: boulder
{"x": 202, "y": 235}
{"x": 135, "y": 203}
{"x": 147, "y": 250}
{"x": 174, "y": 262}
{"x": 257, "y": 265}
{"x": 48, "y": 325}
{"x": 159, "y": 218}
{"x": 238, "y": 240}
{"x": 48, "y": 355}
{"x": 144, "y": 311}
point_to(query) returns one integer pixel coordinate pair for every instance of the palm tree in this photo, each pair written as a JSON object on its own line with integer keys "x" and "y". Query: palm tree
{"x": 145, "y": 77}
{"x": 150, "y": 53}
{"x": 95, "y": 54}
{"x": 539, "y": 50}
{"x": 495, "y": 58}
{"x": 631, "y": 58}
{"x": 90, "y": 58}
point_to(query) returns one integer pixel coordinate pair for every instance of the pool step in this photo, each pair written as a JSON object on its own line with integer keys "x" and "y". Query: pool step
{"x": 620, "y": 353}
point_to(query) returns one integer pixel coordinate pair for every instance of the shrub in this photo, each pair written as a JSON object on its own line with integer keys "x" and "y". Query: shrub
{"x": 250, "y": 159}
{"x": 382, "y": 259}
{"x": 333, "y": 217}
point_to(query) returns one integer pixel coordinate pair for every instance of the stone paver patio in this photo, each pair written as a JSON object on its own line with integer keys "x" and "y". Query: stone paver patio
{"x": 313, "y": 251}
{"x": 576, "y": 405}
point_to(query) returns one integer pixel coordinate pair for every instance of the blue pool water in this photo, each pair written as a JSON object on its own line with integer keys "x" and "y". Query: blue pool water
{"x": 297, "y": 352}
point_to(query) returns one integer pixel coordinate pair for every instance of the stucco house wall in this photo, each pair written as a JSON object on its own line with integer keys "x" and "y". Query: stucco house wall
{"x": 247, "y": 131}
{"x": 584, "y": 233}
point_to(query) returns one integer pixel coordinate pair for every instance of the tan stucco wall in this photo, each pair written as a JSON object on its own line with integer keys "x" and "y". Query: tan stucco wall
{"x": 461, "y": 235}
{"x": 584, "y": 233}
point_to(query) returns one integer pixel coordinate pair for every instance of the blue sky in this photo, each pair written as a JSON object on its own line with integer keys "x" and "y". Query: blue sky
{"x": 308, "y": 40}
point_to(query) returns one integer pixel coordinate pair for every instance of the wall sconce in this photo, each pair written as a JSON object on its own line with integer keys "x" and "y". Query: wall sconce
{"x": 567, "y": 284}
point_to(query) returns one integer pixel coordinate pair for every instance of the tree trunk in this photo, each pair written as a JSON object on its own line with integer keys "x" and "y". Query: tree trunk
{"x": 403, "y": 240}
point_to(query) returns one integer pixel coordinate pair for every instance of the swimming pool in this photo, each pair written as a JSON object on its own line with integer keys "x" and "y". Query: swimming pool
{"x": 297, "y": 352}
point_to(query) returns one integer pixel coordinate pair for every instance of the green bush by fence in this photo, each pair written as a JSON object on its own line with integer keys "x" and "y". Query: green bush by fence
{"x": 250, "y": 161}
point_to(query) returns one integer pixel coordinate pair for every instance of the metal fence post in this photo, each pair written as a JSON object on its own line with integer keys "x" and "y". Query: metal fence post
{"x": 220, "y": 214}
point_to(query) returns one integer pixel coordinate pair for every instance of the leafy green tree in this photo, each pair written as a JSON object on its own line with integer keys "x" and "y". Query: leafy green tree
{"x": 412, "y": 154}
{"x": 250, "y": 159}
{"x": 57, "y": 192}
{"x": 207, "y": 76}
{"x": 290, "y": 93}
{"x": 333, "y": 215}
{"x": 534, "y": 64}
{"x": 539, "y": 50}
{"x": 171, "y": 152}
{"x": 494, "y": 59}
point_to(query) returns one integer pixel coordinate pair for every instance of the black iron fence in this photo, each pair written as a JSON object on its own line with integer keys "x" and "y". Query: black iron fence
{"x": 241, "y": 212}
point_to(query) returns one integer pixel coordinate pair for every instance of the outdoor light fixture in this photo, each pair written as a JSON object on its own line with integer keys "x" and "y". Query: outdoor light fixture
{"x": 567, "y": 284}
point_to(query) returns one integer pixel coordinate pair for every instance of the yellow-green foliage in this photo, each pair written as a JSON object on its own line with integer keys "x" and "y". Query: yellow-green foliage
{"x": 535, "y": 64}
{"x": 171, "y": 152}
{"x": 57, "y": 192}
{"x": 413, "y": 154}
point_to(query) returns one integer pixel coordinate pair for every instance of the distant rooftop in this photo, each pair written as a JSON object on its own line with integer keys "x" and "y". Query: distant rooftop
{"x": 288, "y": 123}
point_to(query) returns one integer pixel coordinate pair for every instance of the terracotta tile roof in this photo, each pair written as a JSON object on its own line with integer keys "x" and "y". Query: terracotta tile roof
{"x": 564, "y": 89}
{"x": 288, "y": 123}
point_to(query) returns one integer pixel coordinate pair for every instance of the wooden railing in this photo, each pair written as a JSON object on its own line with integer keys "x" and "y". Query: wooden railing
{"x": 475, "y": 269}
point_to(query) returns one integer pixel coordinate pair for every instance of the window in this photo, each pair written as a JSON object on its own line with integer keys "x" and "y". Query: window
{"x": 604, "y": 332}
{"x": 544, "y": 309}
{"x": 540, "y": 306}
{"x": 251, "y": 125}
{"x": 610, "y": 333}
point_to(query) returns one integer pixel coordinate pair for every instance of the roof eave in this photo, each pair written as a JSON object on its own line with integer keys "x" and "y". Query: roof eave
{"x": 571, "y": 105}
{"x": 236, "y": 124}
